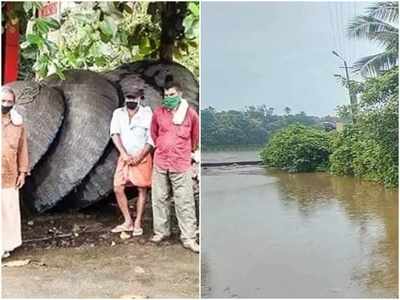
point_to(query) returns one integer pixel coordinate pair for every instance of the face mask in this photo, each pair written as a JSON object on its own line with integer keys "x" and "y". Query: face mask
{"x": 171, "y": 102}
{"x": 131, "y": 105}
{"x": 5, "y": 109}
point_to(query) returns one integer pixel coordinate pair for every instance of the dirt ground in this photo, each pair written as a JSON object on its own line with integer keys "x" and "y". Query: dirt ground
{"x": 74, "y": 255}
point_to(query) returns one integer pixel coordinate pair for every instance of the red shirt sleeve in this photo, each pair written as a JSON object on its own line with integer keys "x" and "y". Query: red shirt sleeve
{"x": 154, "y": 128}
{"x": 195, "y": 130}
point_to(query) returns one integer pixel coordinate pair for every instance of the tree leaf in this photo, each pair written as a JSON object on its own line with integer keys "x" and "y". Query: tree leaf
{"x": 41, "y": 26}
{"x": 25, "y": 44}
{"x": 108, "y": 26}
{"x": 194, "y": 8}
{"x": 52, "y": 23}
{"x": 28, "y": 5}
{"x": 105, "y": 28}
{"x": 127, "y": 8}
{"x": 100, "y": 61}
{"x": 35, "y": 39}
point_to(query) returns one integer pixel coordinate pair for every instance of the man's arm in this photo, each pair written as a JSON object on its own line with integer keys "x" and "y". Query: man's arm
{"x": 149, "y": 145}
{"x": 195, "y": 130}
{"x": 118, "y": 144}
{"x": 115, "y": 130}
{"x": 138, "y": 158}
{"x": 154, "y": 128}
{"x": 23, "y": 159}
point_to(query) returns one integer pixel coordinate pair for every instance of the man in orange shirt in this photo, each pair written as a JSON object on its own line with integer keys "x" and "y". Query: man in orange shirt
{"x": 15, "y": 166}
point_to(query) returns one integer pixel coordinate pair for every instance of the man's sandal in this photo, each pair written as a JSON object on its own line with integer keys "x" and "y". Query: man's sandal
{"x": 121, "y": 228}
{"x": 137, "y": 231}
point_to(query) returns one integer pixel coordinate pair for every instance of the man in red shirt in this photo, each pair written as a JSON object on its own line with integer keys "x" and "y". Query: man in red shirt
{"x": 175, "y": 132}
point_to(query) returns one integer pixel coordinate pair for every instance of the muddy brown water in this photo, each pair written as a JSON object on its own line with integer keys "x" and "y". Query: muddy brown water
{"x": 268, "y": 233}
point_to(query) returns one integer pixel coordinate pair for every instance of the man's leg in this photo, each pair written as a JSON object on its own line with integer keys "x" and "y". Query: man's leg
{"x": 182, "y": 187}
{"x": 140, "y": 204}
{"x": 122, "y": 201}
{"x": 160, "y": 203}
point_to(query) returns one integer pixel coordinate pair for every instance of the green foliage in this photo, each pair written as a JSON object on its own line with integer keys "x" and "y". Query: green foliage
{"x": 379, "y": 25}
{"x": 344, "y": 113}
{"x": 369, "y": 150}
{"x": 252, "y": 126}
{"x": 297, "y": 148}
{"x": 100, "y": 36}
{"x": 342, "y": 156}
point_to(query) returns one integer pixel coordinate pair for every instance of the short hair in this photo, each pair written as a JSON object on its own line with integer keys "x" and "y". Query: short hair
{"x": 173, "y": 84}
{"x": 136, "y": 94}
{"x": 7, "y": 89}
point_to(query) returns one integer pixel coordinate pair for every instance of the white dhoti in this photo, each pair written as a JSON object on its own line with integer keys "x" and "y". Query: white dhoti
{"x": 11, "y": 219}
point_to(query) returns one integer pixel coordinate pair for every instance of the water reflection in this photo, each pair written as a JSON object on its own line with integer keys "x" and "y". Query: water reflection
{"x": 274, "y": 234}
{"x": 372, "y": 209}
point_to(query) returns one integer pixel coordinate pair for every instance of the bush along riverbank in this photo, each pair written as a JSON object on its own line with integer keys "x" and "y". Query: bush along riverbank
{"x": 298, "y": 148}
{"x": 367, "y": 149}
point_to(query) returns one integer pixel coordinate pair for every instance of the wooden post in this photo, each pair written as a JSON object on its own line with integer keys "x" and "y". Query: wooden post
{"x": 11, "y": 49}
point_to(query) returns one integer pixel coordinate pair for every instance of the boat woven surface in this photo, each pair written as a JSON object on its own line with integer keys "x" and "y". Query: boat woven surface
{"x": 42, "y": 109}
{"x": 90, "y": 100}
{"x": 155, "y": 73}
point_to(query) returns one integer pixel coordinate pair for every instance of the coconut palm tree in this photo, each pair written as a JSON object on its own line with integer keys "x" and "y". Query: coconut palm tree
{"x": 380, "y": 25}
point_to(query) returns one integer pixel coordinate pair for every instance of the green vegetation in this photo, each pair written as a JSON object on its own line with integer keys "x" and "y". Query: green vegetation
{"x": 298, "y": 148}
{"x": 250, "y": 127}
{"x": 102, "y": 35}
{"x": 367, "y": 150}
{"x": 380, "y": 24}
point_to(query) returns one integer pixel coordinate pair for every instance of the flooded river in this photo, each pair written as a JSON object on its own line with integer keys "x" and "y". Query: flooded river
{"x": 273, "y": 234}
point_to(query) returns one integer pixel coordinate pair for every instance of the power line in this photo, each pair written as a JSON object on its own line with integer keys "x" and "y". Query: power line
{"x": 354, "y": 43}
{"x": 342, "y": 30}
{"x": 340, "y": 43}
{"x": 332, "y": 26}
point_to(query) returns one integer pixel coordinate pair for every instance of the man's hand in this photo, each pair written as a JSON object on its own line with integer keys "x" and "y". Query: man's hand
{"x": 21, "y": 180}
{"x": 125, "y": 157}
{"x": 135, "y": 160}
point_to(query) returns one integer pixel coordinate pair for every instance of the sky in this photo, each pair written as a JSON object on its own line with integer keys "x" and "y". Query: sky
{"x": 278, "y": 54}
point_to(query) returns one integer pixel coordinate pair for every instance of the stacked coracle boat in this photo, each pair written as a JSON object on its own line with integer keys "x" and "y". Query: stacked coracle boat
{"x": 71, "y": 154}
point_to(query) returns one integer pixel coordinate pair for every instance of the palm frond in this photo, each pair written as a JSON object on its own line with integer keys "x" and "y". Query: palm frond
{"x": 373, "y": 65}
{"x": 385, "y": 11}
{"x": 373, "y": 29}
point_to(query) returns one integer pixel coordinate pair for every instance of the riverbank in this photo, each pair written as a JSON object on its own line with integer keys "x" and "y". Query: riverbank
{"x": 243, "y": 155}
{"x": 230, "y": 155}
{"x": 232, "y": 148}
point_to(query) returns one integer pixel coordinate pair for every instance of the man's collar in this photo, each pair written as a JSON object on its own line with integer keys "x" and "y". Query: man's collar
{"x": 6, "y": 119}
{"x": 125, "y": 109}
{"x": 14, "y": 117}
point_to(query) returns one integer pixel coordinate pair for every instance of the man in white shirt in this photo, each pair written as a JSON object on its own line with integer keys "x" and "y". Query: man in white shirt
{"x": 130, "y": 132}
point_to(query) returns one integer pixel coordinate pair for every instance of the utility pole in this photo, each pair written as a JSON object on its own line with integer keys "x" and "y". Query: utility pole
{"x": 353, "y": 98}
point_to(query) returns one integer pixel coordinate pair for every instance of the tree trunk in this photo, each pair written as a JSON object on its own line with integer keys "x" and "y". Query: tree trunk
{"x": 171, "y": 28}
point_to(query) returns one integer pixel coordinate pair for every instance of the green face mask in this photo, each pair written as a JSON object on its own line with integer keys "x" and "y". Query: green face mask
{"x": 171, "y": 102}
